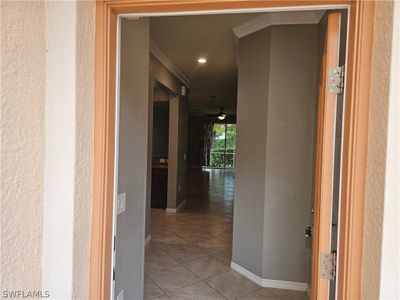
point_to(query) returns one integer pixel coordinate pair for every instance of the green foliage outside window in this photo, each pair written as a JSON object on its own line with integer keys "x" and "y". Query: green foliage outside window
{"x": 223, "y": 146}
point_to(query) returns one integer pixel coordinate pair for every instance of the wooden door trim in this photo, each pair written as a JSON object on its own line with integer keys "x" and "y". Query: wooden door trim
{"x": 325, "y": 145}
{"x": 354, "y": 142}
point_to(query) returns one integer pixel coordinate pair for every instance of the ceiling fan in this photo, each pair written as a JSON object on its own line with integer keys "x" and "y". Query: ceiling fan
{"x": 221, "y": 115}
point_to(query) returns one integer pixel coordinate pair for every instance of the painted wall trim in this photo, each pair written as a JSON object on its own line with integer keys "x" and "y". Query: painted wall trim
{"x": 163, "y": 58}
{"x": 390, "y": 261}
{"x": 175, "y": 210}
{"x": 356, "y": 120}
{"x": 60, "y": 141}
{"x": 270, "y": 283}
{"x": 147, "y": 240}
{"x": 210, "y": 11}
{"x": 282, "y": 18}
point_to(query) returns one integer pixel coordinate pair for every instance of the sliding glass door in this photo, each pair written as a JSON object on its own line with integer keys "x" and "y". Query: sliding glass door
{"x": 222, "y": 154}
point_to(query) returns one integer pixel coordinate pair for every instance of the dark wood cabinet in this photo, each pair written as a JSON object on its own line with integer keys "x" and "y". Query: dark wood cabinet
{"x": 159, "y": 187}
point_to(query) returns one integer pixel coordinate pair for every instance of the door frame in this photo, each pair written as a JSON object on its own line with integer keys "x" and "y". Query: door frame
{"x": 355, "y": 123}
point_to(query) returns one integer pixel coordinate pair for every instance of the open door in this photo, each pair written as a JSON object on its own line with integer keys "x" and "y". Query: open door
{"x": 327, "y": 163}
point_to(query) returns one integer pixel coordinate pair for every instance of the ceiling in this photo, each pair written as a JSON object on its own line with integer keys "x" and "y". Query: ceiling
{"x": 186, "y": 38}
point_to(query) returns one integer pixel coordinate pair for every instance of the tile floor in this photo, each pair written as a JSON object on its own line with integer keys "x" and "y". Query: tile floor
{"x": 190, "y": 251}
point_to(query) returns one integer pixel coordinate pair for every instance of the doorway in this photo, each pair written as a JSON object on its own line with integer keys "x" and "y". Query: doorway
{"x": 223, "y": 147}
{"x": 276, "y": 121}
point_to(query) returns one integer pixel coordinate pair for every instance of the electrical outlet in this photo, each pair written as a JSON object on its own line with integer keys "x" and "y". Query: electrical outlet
{"x": 120, "y": 295}
{"x": 121, "y": 202}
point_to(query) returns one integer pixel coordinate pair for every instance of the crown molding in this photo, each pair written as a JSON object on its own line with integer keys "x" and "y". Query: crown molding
{"x": 163, "y": 58}
{"x": 281, "y": 18}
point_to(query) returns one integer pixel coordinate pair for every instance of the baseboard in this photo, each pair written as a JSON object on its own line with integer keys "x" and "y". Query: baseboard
{"x": 147, "y": 240}
{"x": 271, "y": 283}
{"x": 174, "y": 210}
{"x": 246, "y": 273}
{"x": 286, "y": 285}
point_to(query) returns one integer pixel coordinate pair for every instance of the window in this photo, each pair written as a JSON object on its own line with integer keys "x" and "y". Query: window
{"x": 222, "y": 154}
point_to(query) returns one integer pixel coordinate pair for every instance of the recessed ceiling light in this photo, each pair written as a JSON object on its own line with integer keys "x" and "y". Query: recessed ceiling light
{"x": 202, "y": 60}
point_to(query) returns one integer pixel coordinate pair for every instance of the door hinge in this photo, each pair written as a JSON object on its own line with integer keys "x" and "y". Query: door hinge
{"x": 113, "y": 274}
{"x": 336, "y": 80}
{"x": 328, "y": 265}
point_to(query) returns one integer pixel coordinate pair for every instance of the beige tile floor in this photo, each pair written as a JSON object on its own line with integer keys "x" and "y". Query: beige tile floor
{"x": 190, "y": 251}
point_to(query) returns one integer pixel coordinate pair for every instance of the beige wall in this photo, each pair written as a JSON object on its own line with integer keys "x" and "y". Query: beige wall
{"x": 377, "y": 141}
{"x": 23, "y": 65}
{"x": 390, "y": 263}
{"x": 47, "y": 81}
{"x": 84, "y": 147}
{"x": 23, "y": 80}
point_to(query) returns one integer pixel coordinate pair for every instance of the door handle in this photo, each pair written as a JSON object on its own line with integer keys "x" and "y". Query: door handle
{"x": 308, "y": 231}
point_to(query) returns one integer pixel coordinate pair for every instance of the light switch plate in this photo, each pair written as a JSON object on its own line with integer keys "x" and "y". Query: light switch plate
{"x": 121, "y": 201}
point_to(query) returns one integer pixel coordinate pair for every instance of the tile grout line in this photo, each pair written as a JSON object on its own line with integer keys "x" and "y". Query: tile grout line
{"x": 223, "y": 296}
{"x": 217, "y": 217}
{"x": 164, "y": 293}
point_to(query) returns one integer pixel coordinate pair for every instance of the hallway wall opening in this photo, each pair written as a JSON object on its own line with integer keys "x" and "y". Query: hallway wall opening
{"x": 227, "y": 200}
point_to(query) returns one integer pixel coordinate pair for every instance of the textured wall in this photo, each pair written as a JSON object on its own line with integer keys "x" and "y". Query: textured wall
{"x": 22, "y": 142}
{"x": 35, "y": 92}
{"x": 69, "y": 147}
{"x": 377, "y": 140}
{"x": 84, "y": 110}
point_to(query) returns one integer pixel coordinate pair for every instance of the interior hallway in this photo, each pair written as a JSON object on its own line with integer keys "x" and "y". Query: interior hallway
{"x": 190, "y": 251}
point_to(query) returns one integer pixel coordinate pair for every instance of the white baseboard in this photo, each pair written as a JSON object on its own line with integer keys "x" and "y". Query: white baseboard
{"x": 271, "y": 283}
{"x": 147, "y": 240}
{"x": 286, "y": 285}
{"x": 246, "y": 273}
{"x": 174, "y": 210}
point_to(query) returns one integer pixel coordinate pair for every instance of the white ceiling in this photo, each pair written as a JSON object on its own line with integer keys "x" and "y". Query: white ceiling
{"x": 186, "y": 38}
